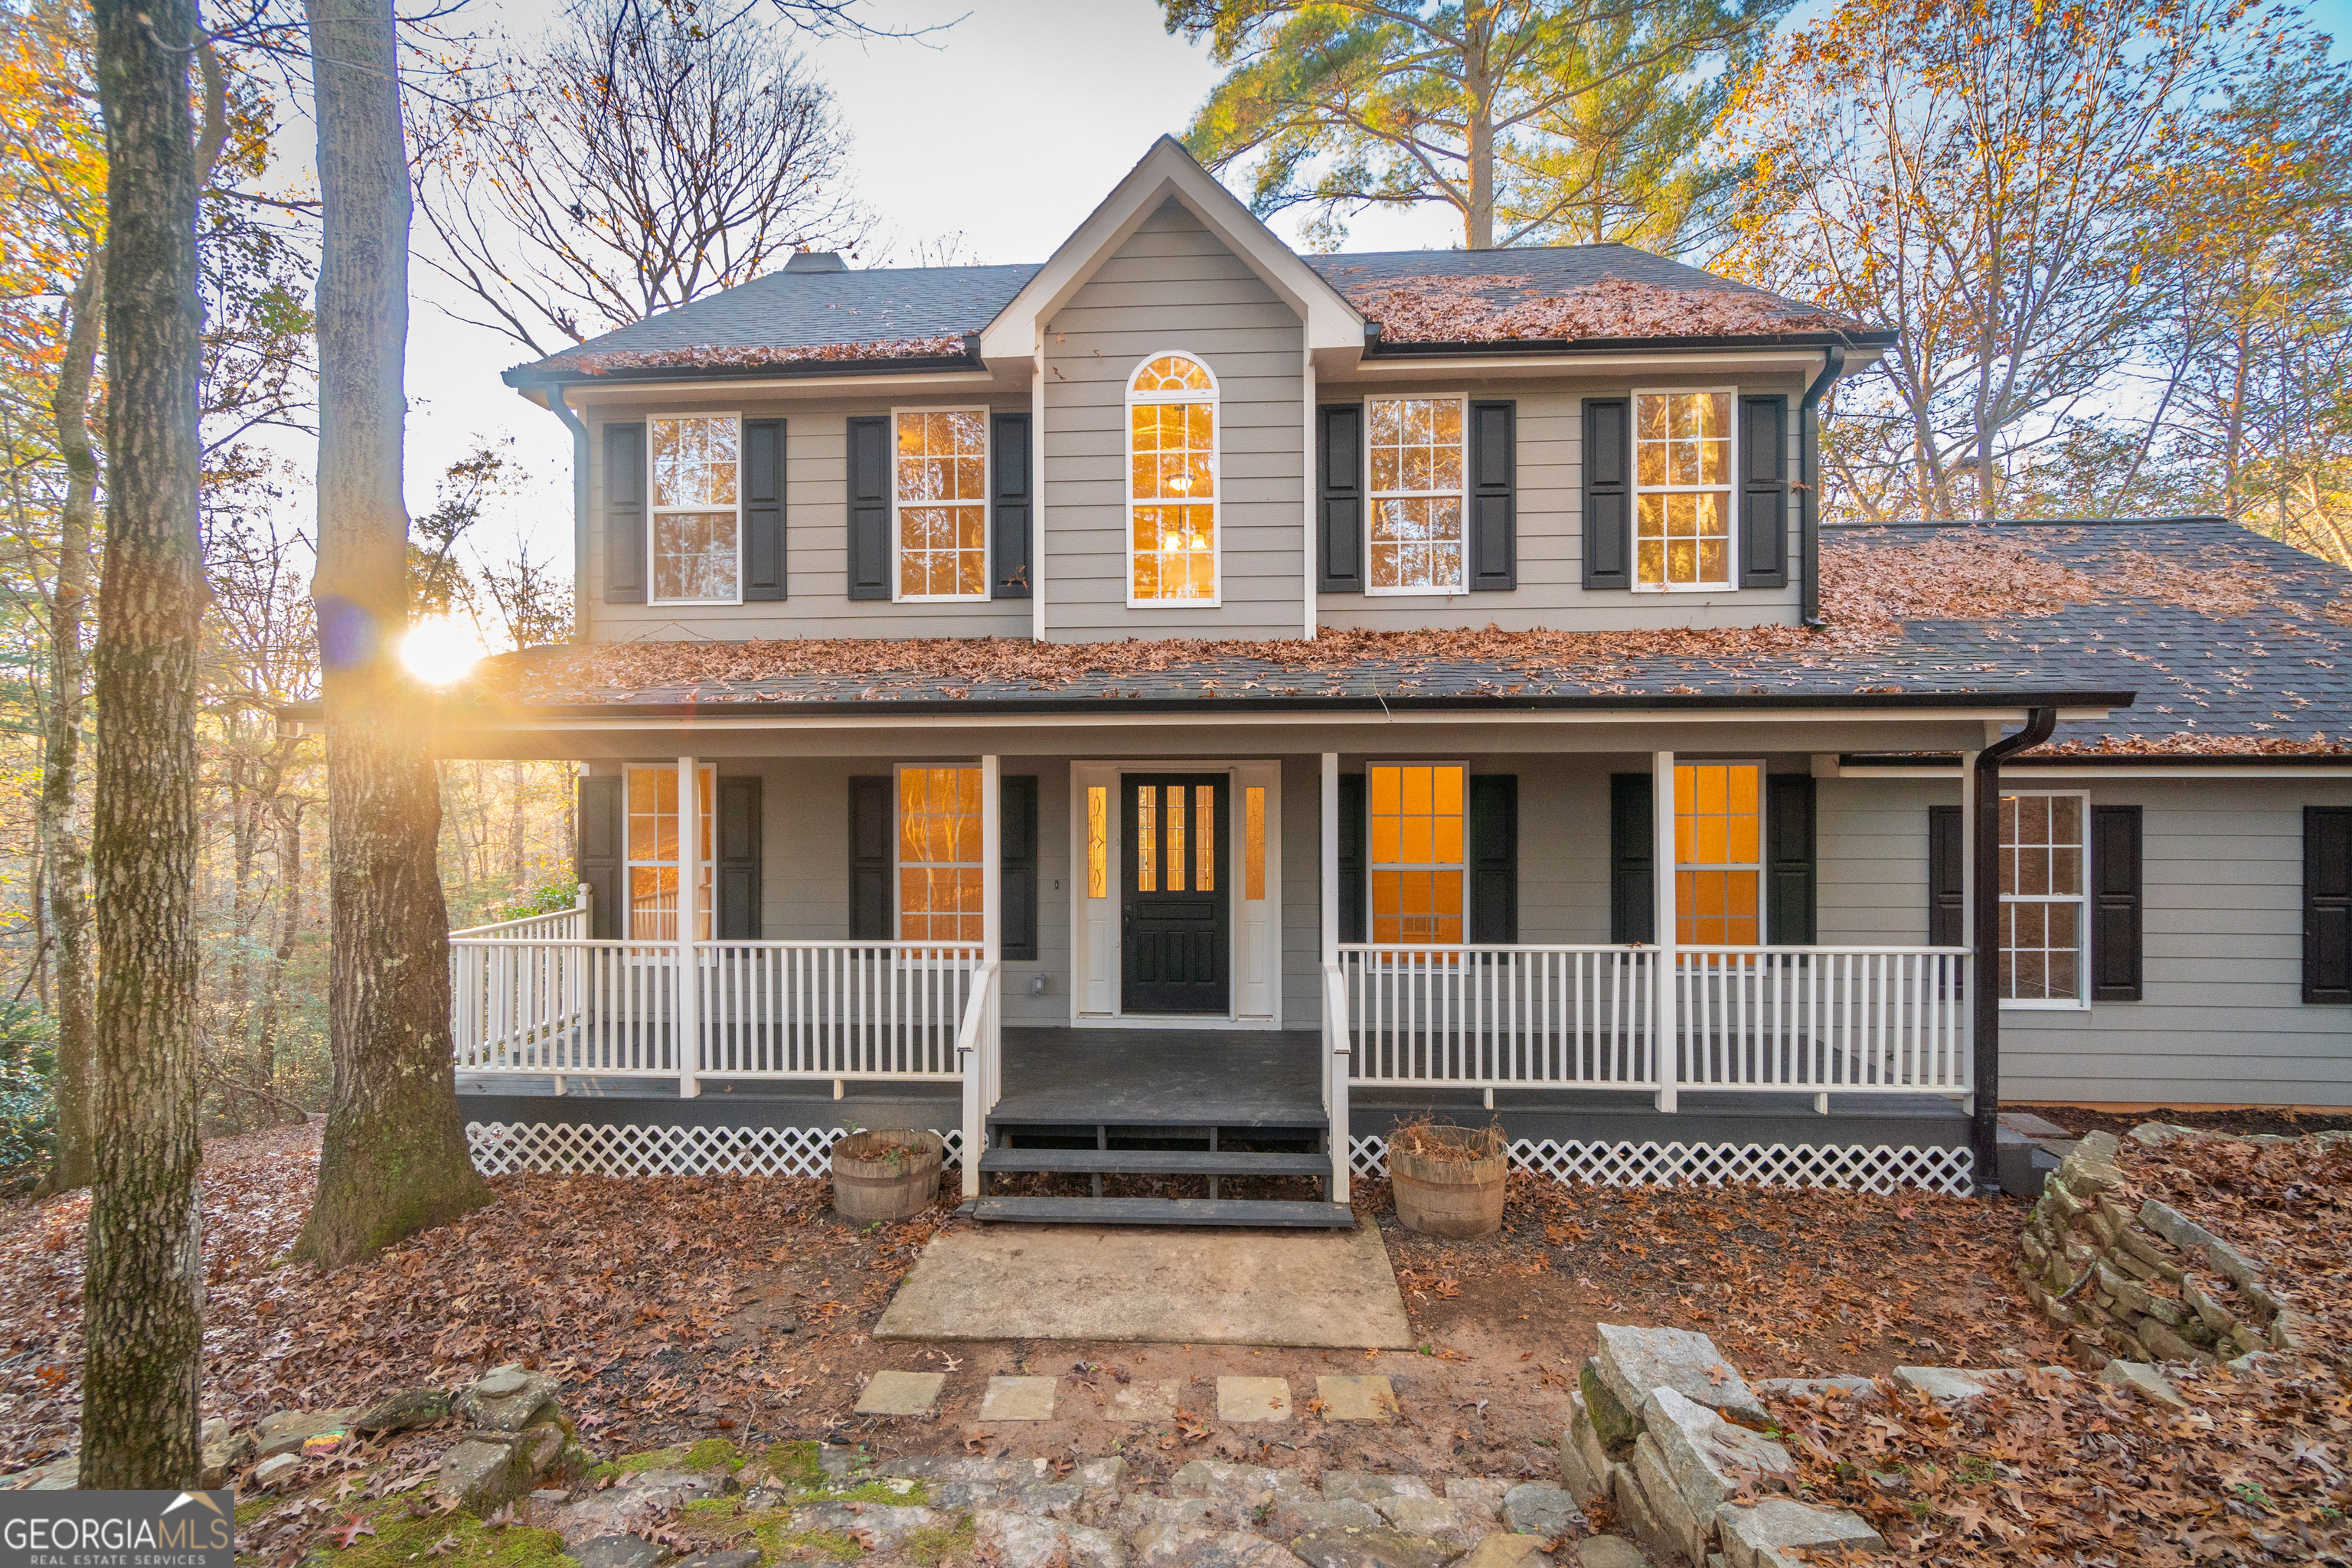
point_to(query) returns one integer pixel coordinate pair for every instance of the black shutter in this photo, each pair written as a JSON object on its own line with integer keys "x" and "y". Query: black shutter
{"x": 600, "y": 862}
{"x": 1764, "y": 491}
{"x": 1494, "y": 858}
{"x": 1948, "y": 897}
{"x": 1789, "y": 902}
{"x": 2115, "y": 903}
{"x": 2327, "y": 903}
{"x": 1608, "y": 494}
{"x": 1017, "y": 847}
{"x": 763, "y": 509}
{"x": 1008, "y": 532}
{"x": 869, "y": 858}
{"x": 1339, "y": 508}
{"x": 869, "y": 507}
{"x": 738, "y": 870}
{"x": 624, "y": 514}
{"x": 1355, "y": 824}
{"x": 1632, "y": 853}
{"x": 1494, "y": 497}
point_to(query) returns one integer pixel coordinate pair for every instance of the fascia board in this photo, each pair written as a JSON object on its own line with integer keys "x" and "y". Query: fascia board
{"x": 1501, "y": 367}
{"x": 586, "y": 395}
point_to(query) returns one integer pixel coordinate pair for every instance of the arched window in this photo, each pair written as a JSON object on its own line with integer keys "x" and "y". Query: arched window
{"x": 1172, "y": 494}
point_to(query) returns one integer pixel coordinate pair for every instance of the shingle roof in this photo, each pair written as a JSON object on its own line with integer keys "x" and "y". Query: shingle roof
{"x": 2235, "y": 644}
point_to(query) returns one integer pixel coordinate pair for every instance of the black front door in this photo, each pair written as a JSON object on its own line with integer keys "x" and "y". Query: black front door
{"x": 1175, "y": 943}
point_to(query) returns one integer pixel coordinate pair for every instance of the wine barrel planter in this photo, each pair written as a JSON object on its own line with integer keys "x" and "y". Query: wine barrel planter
{"x": 891, "y": 1173}
{"x": 1448, "y": 1180}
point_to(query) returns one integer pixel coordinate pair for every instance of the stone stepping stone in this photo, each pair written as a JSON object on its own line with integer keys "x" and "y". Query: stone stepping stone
{"x": 1152, "y": 1399}
{"x": 901, "y": 1392}
{"x": 1019, "y": 1399}
{"x": 1245, "y": 1399}
{"x": 1355, "y": 1398}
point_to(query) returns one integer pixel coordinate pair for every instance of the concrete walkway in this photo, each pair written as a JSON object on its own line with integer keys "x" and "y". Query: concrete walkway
{"x": 1317, "y": 1289}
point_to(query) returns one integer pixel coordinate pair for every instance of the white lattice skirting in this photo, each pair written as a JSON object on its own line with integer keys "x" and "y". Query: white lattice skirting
{"x": 1853, "y": 1166}
{"x": 628, "y": 1149}
{"x": 633, "y": 1149}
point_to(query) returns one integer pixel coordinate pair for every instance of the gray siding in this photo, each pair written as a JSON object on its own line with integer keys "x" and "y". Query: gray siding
{"x": 1551, "y": 594}
{"x": 816, "y": 546}
{"x": 1173, "y": 285}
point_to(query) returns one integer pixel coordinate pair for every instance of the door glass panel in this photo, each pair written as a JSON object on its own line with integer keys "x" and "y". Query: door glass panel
{"x": 1175, "y": 838}
{"x": 1097, "y": 842}
{"x": 1254, "y": 852}
{"x": 1204, "y": 834}
{"x": 1147, "y": 838}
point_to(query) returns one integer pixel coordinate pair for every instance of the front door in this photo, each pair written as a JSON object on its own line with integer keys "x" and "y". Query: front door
{"x": 1176, "y": 936}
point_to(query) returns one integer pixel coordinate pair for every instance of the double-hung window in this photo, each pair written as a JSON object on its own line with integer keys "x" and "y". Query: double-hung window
{"x": 1419, "y": 511}
{"x": 1420, "y": 826}
{"x": 939, "y": 864}
{"x": 939, "y": 495}
{"x": 654, "y": 859}
{"x": 1718, "y": 854}
{"x": 1172, "y": 461}
{"x": 697, "y": 513}
{"x": 2044, "y": 856}
{"x": 1681, "y": 489}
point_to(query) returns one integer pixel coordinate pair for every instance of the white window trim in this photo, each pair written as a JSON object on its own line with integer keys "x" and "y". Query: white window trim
{"x": 1763, "y": 857}
{"x": 1730, "y": 489}
{"x": 2082, "y": 902}
{"x": 1214, "y": 398}
{"x": 898, "y": 861}
{"x": 987, "y": 501}
{"x": 1372, "y": 498}
{"x": 653, "y": 513}
{"x": 629, "y": 863}
{"x": 1372, "y": 907}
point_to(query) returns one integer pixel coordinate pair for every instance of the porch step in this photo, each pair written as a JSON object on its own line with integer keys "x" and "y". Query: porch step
{"x": 1161, "y": 1211}
{"x": 1156, "y": 1162}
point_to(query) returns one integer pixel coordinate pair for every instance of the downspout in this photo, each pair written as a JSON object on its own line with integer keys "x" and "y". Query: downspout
{"x": 1984, "y": 1117}
{"x": 1809, "y": 480}
{"x": 579, "y": 506}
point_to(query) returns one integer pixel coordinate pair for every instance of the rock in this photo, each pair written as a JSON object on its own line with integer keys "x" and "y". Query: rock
{"x": 887, "y": 1523}
{"x": 1538, "y": 1508}
{"x": 1667, "y": 1524}
{"x": 1304, "y": 1517}
{"x": 1858, "y": 1388}
{"x": 1362, "y": 1486}
{"x": 1140, "y": 1512}
{"x": 2252, "y": 1363}
{"x": 1756, "y": 1537}
{"x": 1610, "y": 1551}
{"x": 1018, "y": 1541}
{"x": 1432, "y": 1517}
{"x": 2157, "y": 1134}
{"x": 618, "y": 1551}
{"x": 1505, "y": 1551}
{"x": 1163, "y": 1548}
{"x": 745, "y": 1557}
{"x": 505, "y": 1399}
{"x": 2163, "y": 1343}
{"x": 1584, "y": 1462}
{"x": 481, "y": 1473}
{"x": 632, "y": 1505}
{"x": 1946, "y": 1384}
{"x": 220, "y": 1452}
{"x": 1633, "y": 1362}
{"x": 1613, "y": 1422}
{"x": 1708, "y": 1459}
{"x": 285, "y": 1431}
{"x": 1479, "y": 1496}
{"x": 549, "y": 1494}
{"x": 1370, "y": 1549}
{"x": 1636, "y": 1513}
{"x": 1011, "y": 1472}
{"x": 1100, "y": 1475}
{"x": 2144, "y": 1380}
{"x": 2189, "y": 1236}
{"x": 274, "y": 1469}
{"x": 410, "y": 1407}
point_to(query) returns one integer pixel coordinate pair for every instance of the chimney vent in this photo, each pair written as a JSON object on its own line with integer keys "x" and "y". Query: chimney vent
{"x": 816, "y": 261}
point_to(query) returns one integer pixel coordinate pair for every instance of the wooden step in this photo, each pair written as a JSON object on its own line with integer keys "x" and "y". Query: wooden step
{"x": 1161, "y": 1211}
{"x": 1157, "y": 1161}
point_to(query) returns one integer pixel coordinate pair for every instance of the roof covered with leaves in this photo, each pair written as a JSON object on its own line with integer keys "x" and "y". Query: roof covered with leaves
{"x": 2234, "y": 644}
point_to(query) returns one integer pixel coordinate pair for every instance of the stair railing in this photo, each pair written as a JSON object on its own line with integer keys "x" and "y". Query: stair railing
{"x": 1337, "y": 1056}
{"x": 979, "y": 1054}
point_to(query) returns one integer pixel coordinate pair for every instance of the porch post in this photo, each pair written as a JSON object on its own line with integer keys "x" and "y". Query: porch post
{"x": 1667, "y": 1042}
{"x": 981, "y": 1066}
{"x": 1329, "y": 857}
{"x": 689, "y": 890}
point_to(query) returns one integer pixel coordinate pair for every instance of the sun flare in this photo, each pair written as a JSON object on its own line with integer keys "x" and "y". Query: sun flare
{"x": 441, "y": 650}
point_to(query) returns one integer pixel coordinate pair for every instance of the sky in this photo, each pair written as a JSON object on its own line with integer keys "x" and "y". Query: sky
{"x": 1007, "y": 124}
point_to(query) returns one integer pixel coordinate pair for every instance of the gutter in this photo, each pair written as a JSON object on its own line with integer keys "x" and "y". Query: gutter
{"x": 1984, "y": 1110}
{"x": 572, "y": 421}
{"x": 1809, "y": 481}
{"x": 1377, "y": 346}
{"x": 784, "y": 369}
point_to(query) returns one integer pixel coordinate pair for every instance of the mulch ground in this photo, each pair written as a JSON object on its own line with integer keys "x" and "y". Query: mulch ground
{"x": 688, "y": 1307}
{"x": 2079, "y": 1120}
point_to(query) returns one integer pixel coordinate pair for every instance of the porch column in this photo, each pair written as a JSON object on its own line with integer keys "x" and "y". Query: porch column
{"x": 1667, "y": 1045}
{"x": 979, "y": 1067}
{"x": 689, "y": 890}
{"x": 992, "y": 853}
{"x": 1967, "y": 847}
{"x": 1328, "y": 857}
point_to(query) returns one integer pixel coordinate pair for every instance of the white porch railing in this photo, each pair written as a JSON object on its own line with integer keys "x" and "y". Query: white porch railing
{"x": 562, "y": 924}
{"x": 1849, "y": 1020}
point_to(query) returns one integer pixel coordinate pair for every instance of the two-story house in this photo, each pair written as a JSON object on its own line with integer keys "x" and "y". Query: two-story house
{"x": 1170, "y": 710}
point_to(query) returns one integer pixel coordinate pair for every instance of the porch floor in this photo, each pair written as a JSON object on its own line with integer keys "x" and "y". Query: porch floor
{"x": 1152, "y": 1077}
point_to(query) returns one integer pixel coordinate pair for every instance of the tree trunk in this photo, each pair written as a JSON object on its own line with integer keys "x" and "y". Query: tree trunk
{"x": 394, "y": 1157}
{"x": 143, "y": 1292}
{"x": 68, "y": 900}
{"x": 516, "y": 825}
{"x": 264, "y": 1062}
